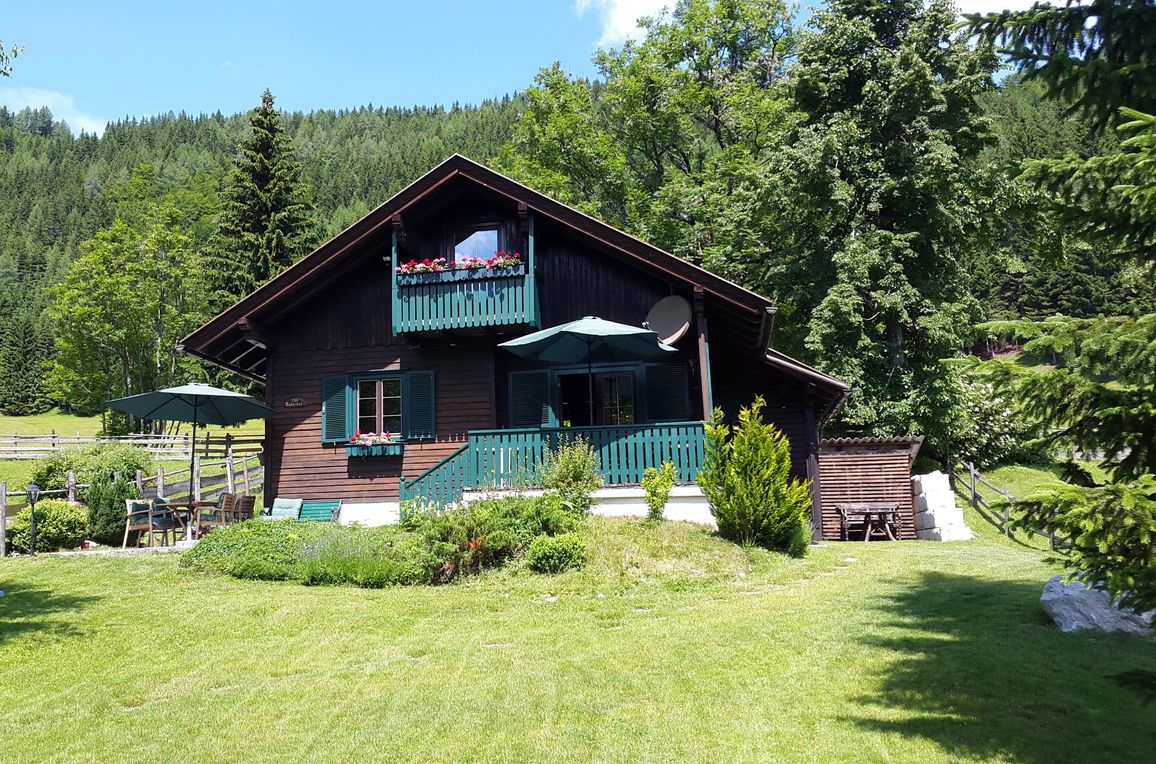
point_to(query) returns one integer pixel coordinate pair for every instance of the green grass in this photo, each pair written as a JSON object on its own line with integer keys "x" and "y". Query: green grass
{"x": 670, "y": 645}
{"x": 70, "y": 424}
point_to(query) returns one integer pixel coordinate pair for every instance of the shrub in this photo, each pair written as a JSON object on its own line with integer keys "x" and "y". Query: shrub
{"x": 992, "y": 431}
{"x": 59, "y": 525}
{"x": 488, "y": 532}
{"x": 91, "y": 464}
{"x": 657, "y": 482}
{"x": 431, "y": 545}
{"x": 571, "y": 471}
{"x": 255, "y": 549}
{"x": 554, "y": 554}
{"x": 104, "y": 500}
{"x": 370, "y": 558}
{"x": 746, "y": 479}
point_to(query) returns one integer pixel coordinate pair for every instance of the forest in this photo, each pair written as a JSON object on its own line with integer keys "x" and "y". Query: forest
{"x": 891, "y": 179}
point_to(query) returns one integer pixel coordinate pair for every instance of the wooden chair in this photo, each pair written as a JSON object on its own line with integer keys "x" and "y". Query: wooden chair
{"x": 245, "y": 507}
{"x": 137, "y": 514}
{"x": 215, "y": 516}
{"x": 163, "y": 519}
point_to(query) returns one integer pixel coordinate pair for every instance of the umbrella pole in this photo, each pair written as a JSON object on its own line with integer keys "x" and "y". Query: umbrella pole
{"x": 192, "y": 461}
{"x": 590, "y": 388}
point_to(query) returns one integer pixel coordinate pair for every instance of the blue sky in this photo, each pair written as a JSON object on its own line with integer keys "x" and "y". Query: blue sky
{"x": 96, "y": 61}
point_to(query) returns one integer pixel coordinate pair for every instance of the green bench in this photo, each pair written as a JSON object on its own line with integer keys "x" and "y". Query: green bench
{"x": 304, "y": 511}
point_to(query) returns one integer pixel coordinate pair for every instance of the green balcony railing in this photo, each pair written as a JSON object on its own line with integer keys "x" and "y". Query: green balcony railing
{"x": 430, "y": 302}
{"x": 509, "y": 458}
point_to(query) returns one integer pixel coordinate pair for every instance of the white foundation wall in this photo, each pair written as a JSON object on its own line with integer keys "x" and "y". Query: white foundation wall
{"x": 371, "y": 513}
{"x": 686, "y": 502}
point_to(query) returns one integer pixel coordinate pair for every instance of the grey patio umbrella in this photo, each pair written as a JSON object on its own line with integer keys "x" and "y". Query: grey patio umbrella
{"x": 196, "y": 403}
{"x": 589, "y": 340}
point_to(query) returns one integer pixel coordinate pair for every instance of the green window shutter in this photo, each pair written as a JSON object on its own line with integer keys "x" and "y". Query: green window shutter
{"x": 335, "y": 409}
{"x": 418, "y": 405}
{"x": 530, "y": 399}
{"x": 667, "y": 393}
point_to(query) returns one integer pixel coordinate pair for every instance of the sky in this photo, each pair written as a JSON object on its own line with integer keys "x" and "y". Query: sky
{"x": 92, "y": 62}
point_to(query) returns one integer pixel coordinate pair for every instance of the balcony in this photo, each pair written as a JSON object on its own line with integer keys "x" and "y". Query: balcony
{"x": 464, "y": 299}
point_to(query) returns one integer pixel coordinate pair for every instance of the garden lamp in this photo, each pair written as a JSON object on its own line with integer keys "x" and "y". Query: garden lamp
{"x": 33, "y": 494}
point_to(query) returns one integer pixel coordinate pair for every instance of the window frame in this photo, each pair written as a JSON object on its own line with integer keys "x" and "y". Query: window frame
{"x": 460, "y": 232}
{"x": 379, "y": 401}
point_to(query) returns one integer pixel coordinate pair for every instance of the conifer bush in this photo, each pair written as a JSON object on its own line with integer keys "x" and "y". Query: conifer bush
{"x": 571, "y": 471}
{"x": 657, "y": 482}
{"x": 746, "y": 479}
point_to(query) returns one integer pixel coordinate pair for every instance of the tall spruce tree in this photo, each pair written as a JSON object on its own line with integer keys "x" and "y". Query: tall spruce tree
{"x": 266, "y": 223}
{"x": 25, "y": 348}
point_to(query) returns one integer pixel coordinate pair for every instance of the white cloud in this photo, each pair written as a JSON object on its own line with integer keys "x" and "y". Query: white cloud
{"x": 61, "y": 104}
{"x": 620, "y": 17}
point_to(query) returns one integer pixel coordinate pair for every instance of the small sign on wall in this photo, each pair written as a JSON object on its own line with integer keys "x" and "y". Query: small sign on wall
{"x": 294, "y": 403}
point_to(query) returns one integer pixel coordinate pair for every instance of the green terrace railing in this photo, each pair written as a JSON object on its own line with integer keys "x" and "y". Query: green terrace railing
{"x": 509, "y": 458}
{"x": 442, "y": 483}
{"x": 429, "y": 302}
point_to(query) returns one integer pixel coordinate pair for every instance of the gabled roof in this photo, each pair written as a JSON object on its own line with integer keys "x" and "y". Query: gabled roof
{"x": 332, "y": 258}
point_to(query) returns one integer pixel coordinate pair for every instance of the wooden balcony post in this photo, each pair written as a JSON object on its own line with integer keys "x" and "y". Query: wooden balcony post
{"x": 703, "y": 354}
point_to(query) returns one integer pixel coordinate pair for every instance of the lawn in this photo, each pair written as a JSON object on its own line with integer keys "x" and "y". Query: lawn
{"x": 70, "y": 424}
{"x": 671, "y": 645}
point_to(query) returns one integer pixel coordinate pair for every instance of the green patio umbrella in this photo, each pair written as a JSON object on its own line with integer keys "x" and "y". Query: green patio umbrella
{"x": 196, "y": 403}
{"x": 589, "y": 340}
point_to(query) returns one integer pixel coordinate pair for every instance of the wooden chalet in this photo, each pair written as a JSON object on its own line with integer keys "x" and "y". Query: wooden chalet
{"x": 343, "y": 342}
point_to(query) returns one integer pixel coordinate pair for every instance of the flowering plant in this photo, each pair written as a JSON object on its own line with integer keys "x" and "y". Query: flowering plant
{"x": 372, "y": 438}
{"x": 424, "y": 266}
{"x": 501, "y": 259}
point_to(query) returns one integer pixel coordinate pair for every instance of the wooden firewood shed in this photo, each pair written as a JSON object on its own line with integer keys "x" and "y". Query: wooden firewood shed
{"x": 866, "y": 471}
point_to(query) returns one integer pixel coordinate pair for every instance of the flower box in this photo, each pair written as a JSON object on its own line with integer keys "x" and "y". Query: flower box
{"x": 379, "y": 449}
{"x": 460, "y": 274}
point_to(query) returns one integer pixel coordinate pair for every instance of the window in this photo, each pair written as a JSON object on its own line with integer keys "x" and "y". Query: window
{"x": 379, "y": 405}
{"x": 401, "y": 403}
{"x": 477, "y": 242}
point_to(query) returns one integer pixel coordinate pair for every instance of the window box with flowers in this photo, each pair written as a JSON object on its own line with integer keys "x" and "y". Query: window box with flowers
{"x": 373, "y": 444}
{"x": 438, "y": 270}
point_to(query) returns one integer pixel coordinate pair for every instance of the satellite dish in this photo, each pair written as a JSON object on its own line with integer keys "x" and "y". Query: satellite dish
{"x": 669, "y": 318}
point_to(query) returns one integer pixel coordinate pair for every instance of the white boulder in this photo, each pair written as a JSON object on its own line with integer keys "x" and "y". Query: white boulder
{"x": 1076, "y": 607}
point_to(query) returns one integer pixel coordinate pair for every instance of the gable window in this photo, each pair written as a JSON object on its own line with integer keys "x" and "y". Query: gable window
{"x": 477, "y": 242}
{"x": 379, "y": 405}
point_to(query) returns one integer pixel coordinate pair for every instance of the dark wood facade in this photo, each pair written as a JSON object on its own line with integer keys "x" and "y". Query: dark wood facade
{"x": 330, "y": 314}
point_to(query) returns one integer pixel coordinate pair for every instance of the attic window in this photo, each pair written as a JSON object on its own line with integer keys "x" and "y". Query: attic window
{"x": 477, "y": 242}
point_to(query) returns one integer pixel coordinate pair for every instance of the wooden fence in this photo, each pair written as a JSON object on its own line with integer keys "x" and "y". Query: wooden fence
{"x": 971, "y": 479}
{"x": 240, "y": 474}
{"x": 165, "y": 446}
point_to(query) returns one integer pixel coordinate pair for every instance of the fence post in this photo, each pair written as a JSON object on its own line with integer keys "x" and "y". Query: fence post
{"x": 54, "y": 442}
{"x": 195, "y": 479}
{"x": 971, "y": 473}
{"x": 228, "y": 443}
{"x": 245, "y": 474}
{"x": 230, "y": 482}
{"x": 160, "y": 480}
{"x": 208, "y": 440}
{"x": 3, "y": 517}
{"x": 140, "y": 482}
{"x": 71, "y": 487}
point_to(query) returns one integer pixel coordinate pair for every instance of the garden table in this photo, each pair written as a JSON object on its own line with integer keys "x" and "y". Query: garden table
{"x": 877, "y": 518}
